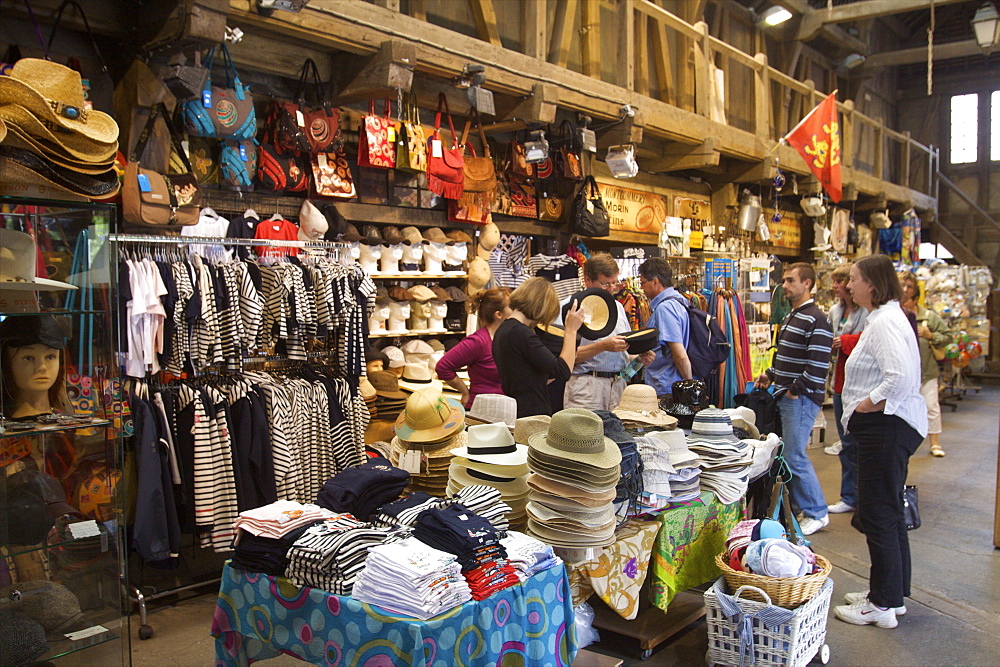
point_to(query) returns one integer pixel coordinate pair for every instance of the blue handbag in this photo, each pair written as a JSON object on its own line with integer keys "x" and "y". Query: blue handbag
{"x": 221, "y": 113}
{"x": 238, "y": 164}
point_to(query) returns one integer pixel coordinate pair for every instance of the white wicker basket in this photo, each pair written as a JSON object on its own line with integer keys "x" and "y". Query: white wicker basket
{"x": 793, "y": 643}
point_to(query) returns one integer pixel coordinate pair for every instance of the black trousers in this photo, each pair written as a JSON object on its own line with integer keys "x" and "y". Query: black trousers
{"x": 885, "y": 444}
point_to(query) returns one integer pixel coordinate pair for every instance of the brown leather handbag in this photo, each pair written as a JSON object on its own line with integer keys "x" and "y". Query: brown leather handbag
{"x": 480, "y": 174}
{"x": 153, "y": 199}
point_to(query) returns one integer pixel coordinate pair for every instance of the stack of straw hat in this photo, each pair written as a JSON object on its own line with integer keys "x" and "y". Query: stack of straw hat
{"x": 640, "y": 411}
{"x": 431, "y": 425}
{"x": 370, "y": 396}
{"x": 490, "y": 457}
{"x": 575, "y": 471}
{"x": 49, "y": 139}
{"x": 725, "y": 459}
{"x": 389, "y": 399}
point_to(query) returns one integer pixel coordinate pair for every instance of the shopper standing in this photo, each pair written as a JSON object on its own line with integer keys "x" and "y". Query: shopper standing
{"x": 931, "y": 332}
{"x": 847, "y": 320}
{"x": 475, "y": 351}
{"x": 801, "y": 363}
{"x": 595, "y": 383}
{"x": 884, "y": 410}
{"x": 524, "y": 363}
{"x": 670, "y": 319}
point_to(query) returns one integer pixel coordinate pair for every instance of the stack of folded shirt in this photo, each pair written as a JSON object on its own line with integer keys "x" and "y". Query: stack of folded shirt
{"x": 361, "y": 489}
{"x": 265, "y": 534}
{"x": 404, "y": 512}
{"x": 724, "y": 458}
{"x": 528, "y": 555}
{"x": 486, "y": 502}
{"x": 475, "y": 543}
{"x": 331, "y": 554}
{"x": 412, "y": 578}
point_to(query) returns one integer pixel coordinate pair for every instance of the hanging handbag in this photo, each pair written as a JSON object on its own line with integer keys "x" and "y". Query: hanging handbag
{"x": 238, "y": 164}
{"x": 281, "y": 172}
{"x": 300, "y": 126}
{"x": 472, "y": 213}
{"x": 522, "y": 199}
{"x": 590, "y": 218}
{"x": 221, "y": 113}
{"x": 377, "y": 139}
{"x": 568, "y": 158}
{"x": 154, "y": 199}
{"x": 551, "y": 208}
{"x": 98, "y": 87}
{"x": 518, "y": 165}
{"x": 185, "y": 81}
{"x": 480, "y": 183}
{"x": 332, "y": 176}
{"x": 411, "y": 144}
{"x": 445, "y": 166}
{"x": 204, "y": 156}
{"x": 911, "y": 512}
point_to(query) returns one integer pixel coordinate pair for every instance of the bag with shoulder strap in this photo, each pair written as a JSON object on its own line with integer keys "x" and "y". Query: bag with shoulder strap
{"x": 590, "y": 218}
{"x": 480, "y": 184}
{"x": 707, "y": 346}
{"x": 445, "y": 166}
{"x": 411, "y": 144}
{"x": 304, "y": 127}
{"x": 377, "y": 139}
{"x": 568, "y": 159}
{"x": 153, "y": 199}
{"x": 221, "y": 113}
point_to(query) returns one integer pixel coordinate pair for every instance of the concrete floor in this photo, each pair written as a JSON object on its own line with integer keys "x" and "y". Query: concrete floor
{"x": 953, "y": 617}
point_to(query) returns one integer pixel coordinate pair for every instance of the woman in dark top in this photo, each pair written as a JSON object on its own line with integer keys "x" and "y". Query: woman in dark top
{"x": 524, "y": 363}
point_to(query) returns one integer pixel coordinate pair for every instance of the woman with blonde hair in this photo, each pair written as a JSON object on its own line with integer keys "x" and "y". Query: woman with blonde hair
{"x": 475, "y": 351}
{"x": 526, "y": 366}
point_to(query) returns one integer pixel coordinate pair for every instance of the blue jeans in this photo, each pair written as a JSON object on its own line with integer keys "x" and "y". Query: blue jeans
{"x": 848, "y": 457}
{"x": 797, "y": 418}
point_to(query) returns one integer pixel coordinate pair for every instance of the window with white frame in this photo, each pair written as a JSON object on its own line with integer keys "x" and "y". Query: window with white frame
{"x": 965, "y": 128}
{"x": 995, "y": 126}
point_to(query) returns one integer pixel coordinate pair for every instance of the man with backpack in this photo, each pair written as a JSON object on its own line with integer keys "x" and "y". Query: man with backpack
{"x": 801, "y": 362}
{"x": 669, "y": 317}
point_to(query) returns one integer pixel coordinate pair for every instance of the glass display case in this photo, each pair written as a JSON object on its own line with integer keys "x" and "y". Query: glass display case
{"x": 62, "y": 427}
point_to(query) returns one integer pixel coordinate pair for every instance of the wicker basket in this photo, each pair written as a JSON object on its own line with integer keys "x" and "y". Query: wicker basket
{"x": 787, "y": 592}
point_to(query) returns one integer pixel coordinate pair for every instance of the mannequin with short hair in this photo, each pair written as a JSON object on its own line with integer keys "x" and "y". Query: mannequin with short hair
{"x": 420, "y": 311}
{"x": 399, "y": 312}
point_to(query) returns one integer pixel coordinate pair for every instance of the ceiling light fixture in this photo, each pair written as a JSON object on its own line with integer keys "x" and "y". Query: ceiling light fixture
{"x": 773, "y": 16}
{"x": 986, "y": 24}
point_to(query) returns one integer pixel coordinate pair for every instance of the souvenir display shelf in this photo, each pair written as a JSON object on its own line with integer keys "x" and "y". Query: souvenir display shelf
{"x": 85, "y": 552}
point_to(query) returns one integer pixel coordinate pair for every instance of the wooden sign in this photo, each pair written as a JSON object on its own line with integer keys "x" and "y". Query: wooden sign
{"x": 633, "y": 210}
{"x": 698, "y": 210}
{"x": 785, "y": 234}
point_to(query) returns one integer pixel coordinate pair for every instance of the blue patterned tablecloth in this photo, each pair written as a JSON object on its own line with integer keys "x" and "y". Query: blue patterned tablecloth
{"x": 259, "y": 617}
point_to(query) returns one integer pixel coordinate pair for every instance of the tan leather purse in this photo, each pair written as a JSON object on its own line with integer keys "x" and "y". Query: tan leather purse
{"x": 480, "y": 173}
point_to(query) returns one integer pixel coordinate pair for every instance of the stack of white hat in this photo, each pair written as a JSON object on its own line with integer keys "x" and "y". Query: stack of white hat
{"x": 490, "y": 457}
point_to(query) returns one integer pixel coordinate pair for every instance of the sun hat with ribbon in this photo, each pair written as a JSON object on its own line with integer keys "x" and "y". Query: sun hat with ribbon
{"x": 525, "y": 427}
{"x": 508, "y": 486}
{"x": 492, "y": 443}
{"x": 639, "y": 404}
{"x": 429, "y": 416}
{"x": 493, "y": 408}
{"x": 417, "y": 375}
{"x": 54, "y": 93}
{"x": 600, "y": 312}
{"x": 18, "y": 255}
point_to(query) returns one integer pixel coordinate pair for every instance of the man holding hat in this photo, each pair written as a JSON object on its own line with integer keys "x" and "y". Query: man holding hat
{"x": 595, "y": 383}
{"x": 670, "y": 319}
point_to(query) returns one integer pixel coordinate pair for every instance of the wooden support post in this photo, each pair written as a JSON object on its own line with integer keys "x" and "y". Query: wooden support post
{"x": 418, "y": 9}
{"x": 905, "y": 171}
{"x": 627, "y": 50}
{"x": 485, "y": 15}
{"x": 391, "y": 5}
{"x": 663, "y": 63}
{"x": 641, "y": 54}
{"x": 879, "y": 162}
{"x": 591, "y": 30}
{"x": 847, "y": 135}
{"x": 628, "y": 131}
{"x": 391, "y": 67}
{"x": 762, "y": 98}
{"x": 534, "y": 19}
{"x": 539, "y": 107}
{"x": 562, "y": 31}
{"x": 703, "y": 75}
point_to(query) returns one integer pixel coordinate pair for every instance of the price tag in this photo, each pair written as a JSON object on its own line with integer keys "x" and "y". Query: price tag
{"x": 590, "y": 206}
{"x": 391, "y": 133}
{"x": 206, "y": 99}
{"x": 436, "y": 150}
{"x": 300, "y": 118}
{"x": 243, "y": 152}
{"x": 321, "y": 160}
{"x": 410, "y": 462}
{"x": 144, "y": 185}
{"x": 83, "y": 529}
{"x": 83, "y": 634}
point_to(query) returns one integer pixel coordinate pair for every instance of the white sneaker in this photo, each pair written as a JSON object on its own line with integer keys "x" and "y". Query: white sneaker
{"x": 834, "y": 449}
{"x": 810, "y": 525}
{"x": 855, "y": 598}
{"x": 840, "y": 508}
{"x": 865, "y": 613}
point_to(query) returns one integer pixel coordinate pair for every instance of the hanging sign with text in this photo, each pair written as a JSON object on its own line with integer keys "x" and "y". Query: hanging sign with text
{"x": 633, "y": 210}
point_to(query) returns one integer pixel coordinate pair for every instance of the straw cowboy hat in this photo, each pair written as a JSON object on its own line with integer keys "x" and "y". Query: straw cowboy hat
{"x": 17, "y": 138}
{"x": 493, "y": 408}
{"x": 639, "y": 404}
{"x": 577, "y": 436}
{"x": 17, "y": 264}
{"x": 29, "y": 127}
{"x": 600, "y": 312}
{"x": 54, "y": 93}
{"x": 493, "y": 443}
{"x": 429, "y": 416}
{"x": 19, "y": 166}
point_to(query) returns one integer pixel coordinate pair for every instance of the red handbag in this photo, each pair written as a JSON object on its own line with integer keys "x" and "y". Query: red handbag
{"x": 376, "y": 148}
{"x": 445, "y": 166}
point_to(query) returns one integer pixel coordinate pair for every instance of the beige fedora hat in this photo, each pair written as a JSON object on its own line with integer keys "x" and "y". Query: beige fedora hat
{"x": 54, "y": 93}
{"x": 429, "y": 416}
{"x": 417, "y": 375}
{"x": 639, "y": 404}
{"x": 577, "y": 435}
{"x": 492, "y": 443}
{"x": 525, "y": 427}
{"x": 18, "y": 255}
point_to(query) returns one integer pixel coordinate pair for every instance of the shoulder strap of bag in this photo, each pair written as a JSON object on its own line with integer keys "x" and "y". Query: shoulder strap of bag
{"x": 300, "y": 87}
{"x": 474, "y": 117}
{"x": 231, "y": 67}
{"x": 443, "y": 103}
{"x": 156, "y": 111}
{"x": 86, "y": 24}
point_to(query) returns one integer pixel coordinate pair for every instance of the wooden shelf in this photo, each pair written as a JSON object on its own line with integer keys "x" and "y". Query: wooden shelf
{"x": 434, "y": 332}
{"x": 417, "y": 276}
{"x": 652, "y": 626}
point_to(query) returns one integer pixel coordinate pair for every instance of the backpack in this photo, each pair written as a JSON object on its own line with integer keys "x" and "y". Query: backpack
{"x": 762, "y": 402}
{"x": 707, "y": 346}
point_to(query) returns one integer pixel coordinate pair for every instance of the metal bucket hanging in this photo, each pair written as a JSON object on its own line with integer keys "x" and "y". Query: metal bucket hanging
{"x": 750, "y": 211}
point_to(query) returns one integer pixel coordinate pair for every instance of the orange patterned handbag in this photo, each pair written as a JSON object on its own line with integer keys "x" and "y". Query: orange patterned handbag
{"x": 377, "y": 139}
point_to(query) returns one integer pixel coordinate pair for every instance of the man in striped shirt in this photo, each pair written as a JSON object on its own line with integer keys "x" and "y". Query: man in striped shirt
{"x": 799, "y": 374}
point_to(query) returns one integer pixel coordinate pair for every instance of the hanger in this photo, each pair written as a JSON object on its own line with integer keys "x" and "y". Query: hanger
{"x": 250, "y": 213}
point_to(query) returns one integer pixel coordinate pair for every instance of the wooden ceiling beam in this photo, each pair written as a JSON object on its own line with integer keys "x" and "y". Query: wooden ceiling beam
{"x": 388, "y": 69}
{"x": 946, "y": 51}
{"x": 814, "y": 19}
{"x": 485, "y": 15}
{"x": 679, "y": 157}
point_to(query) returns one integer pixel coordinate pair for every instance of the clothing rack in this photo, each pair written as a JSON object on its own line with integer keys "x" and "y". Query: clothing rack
{"x": 221, "y": 240}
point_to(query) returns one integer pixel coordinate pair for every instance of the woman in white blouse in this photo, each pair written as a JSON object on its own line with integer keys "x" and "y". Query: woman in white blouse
{"x": 884, "y": 411}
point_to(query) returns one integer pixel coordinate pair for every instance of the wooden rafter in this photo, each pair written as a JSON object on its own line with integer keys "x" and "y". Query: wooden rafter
{"x": 591, "y": 29}
{"x": 562, "y": 32}
{"x": 662, "y": 62}
{"x": 485, "y": 15}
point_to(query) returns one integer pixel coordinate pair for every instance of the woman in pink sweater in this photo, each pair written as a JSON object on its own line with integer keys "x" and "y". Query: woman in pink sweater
{"x": 475, "y": 352}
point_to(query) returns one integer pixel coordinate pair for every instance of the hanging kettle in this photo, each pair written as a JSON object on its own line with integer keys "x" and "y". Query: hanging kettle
{"x": 750, "y": 210}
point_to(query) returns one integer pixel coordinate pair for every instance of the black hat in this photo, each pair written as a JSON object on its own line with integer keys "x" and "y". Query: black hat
{"x": 601, "y": 311}
{"x": 337, "y": 223}
{"x": 642, "y": 340}
{"x": 47, "y": 488}
{"x": 27, "y": 521}
{"x": 22, "y": 330}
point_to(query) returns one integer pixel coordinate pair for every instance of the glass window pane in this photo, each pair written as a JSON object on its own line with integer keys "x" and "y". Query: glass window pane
{"x": 964, "y": 128}
{"x": 995, "y": 126}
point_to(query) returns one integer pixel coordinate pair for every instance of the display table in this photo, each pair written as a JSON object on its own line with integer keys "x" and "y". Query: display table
{"x": 259, "y": 617}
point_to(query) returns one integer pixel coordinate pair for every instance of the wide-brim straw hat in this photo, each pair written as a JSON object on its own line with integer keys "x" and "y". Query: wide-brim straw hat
{"x": 493, "y": 469}
{"x": 562, "y": 538}
{"x": 577, "y": 436}
{"x": 492, "y": 443}
{"x": 70, "y": 144}
{"x": 15, "y": 172}
{"x": 585, "y": 485}
{"x": 595, "y": 517}
{"x": 525, "y": 427}
{"x": 507, "y": 486}
{"x": 559, "y": 466}
{"x": 54, "y": 93}
{"x": 18, "y": 139}
{"x": 600, "y": 312}
{"x": 639, "y": 404}
{"x": 429, "y": 416}
{"x": 418, "y": 376}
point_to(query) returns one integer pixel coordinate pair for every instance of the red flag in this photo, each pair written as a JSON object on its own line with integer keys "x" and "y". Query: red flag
{"x": 817, "y": 139}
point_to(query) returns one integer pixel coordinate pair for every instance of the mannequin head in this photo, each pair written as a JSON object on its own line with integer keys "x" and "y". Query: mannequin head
{"x": 420, "y": 309}
{"x": 33, "y": 366}
{"x": 435, "y": 252}
{"x": 393, "y": 251}
{"x": 355, "y": 250}
{"x": 369, "y": 253}
{"x": 399, "y": 310}
{"x": 458, "y": 253}
{"x": 413, "y": 254}
{"x": 439, "y": 309}
{"x": 381, "y": 312}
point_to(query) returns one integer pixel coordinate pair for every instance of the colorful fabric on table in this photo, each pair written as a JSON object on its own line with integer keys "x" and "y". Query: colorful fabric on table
{"x": 686, "y": 546}
{"x": 618, "y": 573}
{"x": 259, "y": 617}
